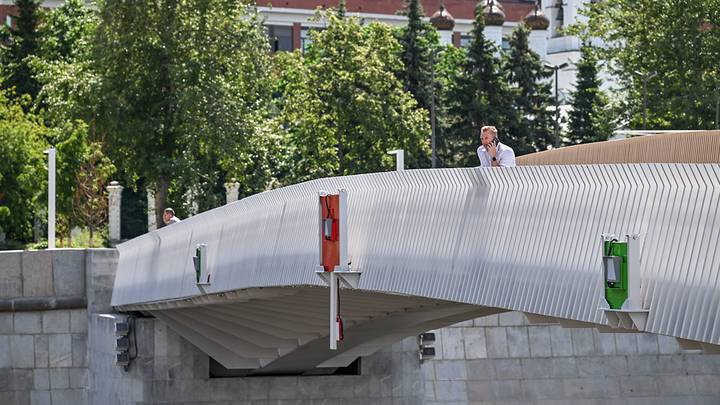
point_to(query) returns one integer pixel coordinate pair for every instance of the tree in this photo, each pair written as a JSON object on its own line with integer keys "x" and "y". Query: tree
{"x": 589, "y": 121}
{"x": 679, "y": 42}
{"x": 181, "y": 87}
{"x": 82, "y": 169}
{"x": 481, "y": 97}
{"x": 22, "y": 175}
{"x": 342, "y": 105}
{"x": 23, "y": 43}
{"x": 68, "y": 92}
{"x": 90, "y": 200}
{"x": 531, "y": 96}
{"x": 65, "y": 30}
{"x": 418, "y": 40}
{"x": 448, "y": 68}
{"x": 64, "y": 67}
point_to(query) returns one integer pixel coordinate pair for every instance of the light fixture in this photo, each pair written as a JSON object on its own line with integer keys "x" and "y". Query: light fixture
{"x": 425, "y": 349}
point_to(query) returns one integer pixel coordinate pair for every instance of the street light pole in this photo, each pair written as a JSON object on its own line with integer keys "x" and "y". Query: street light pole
{"x": 556, "y": 69}
{"x": 432, "y": 113}
{"x": 717, "y": 107}
{"x": 51, "y": 197}
{"x": 399, "y": 159}
{"x": 645, "y": 77}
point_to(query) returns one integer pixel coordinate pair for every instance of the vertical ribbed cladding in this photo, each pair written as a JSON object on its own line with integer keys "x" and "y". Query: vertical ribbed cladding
{"x": 525, "y": 238}
{"x": 688, "y": 147}
{"x": 704, "y": 199}
{"x": 710, "y": 301}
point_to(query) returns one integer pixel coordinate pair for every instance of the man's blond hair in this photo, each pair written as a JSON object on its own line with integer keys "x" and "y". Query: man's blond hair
{"x": 488, "y": 128}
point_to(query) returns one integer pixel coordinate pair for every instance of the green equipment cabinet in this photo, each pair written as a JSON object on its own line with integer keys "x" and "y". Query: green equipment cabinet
{"x": 621, "y": 281}
{"x": 615, "y": 266}
{"x": 202, "y": 276}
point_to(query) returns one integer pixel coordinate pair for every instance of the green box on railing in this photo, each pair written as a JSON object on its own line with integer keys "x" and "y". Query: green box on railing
{"x": 615, "y": 263}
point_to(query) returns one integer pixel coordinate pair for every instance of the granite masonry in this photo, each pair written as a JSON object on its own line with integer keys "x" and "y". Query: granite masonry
{"x": 57, "y": 347}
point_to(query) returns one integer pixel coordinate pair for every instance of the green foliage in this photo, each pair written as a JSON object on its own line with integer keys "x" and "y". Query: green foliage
{"x": 532, "y": 129}
{"x": 90, "y": 200}
{"x": 589, "y": 119}
{"x": 65, "y": 30}
{"x": 63, "y": 66}
{"x": 83, "y": 172}
{"x": 481, "y": 97}
{"x": 22, "y": 175}
{"x": 680, "y": 42}
{"x": 448, "y": 68}
{"x": 67, "y": 100}
{"x": 343, "y": 107}
{"x": 183, "y": 86}
{"x": 23, "y": 42}
{"x": 418, "y": 40}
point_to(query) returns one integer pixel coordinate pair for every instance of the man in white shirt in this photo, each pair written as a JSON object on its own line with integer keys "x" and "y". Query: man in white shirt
{"x": 169, "y": 217}
{"x": 492, "y": 153}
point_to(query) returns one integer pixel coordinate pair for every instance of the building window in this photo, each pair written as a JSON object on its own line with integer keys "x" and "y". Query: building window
{"x": 465, "y": 40}
{"x": 305, "y": 36}
{"x": 280, "y": 37}
{"x": 559, "y": 18}
{"x": 8, "y": 20}
{"x": 505, "y": 44}
{"x": 305, "y": 39}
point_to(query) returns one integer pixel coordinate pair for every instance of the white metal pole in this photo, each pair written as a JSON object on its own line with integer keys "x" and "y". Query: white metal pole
{"x": 399, "y": 158}
{"x": 342, "y": 229}
{"x": 51, "y": 197}
{"x": 634, "y": 300}
{"x": 333, "y": 311}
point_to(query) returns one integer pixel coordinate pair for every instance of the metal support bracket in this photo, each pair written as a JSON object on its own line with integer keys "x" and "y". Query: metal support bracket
{"x": 348, "y": 278}
{"x": 627, "y": 318}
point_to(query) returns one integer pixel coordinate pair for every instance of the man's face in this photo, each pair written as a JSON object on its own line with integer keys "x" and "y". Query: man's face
{"x": 166, "y": 217}
{"x": 487, "y": 137}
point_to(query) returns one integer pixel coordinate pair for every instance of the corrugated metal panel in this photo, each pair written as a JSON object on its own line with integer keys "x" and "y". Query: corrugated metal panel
{"x": 524, "y": 238}
{"x": 689, "y": 147}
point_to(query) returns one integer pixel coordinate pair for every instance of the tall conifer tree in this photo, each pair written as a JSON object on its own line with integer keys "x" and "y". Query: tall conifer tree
{"x": 532, "y": 129}
{"x": 23, "y": 43}
{"x": 417, "y": 47}
{"x": 481, "y": 98}
{"x": 589, "y": 121}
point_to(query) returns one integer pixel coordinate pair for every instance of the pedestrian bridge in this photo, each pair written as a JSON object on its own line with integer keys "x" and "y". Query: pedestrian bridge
{"x": 435, "y": 247}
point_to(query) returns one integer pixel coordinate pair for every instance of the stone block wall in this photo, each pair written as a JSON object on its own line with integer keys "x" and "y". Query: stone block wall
{"x": 43, "y": 357}
{"x": 502, "y": 359}
{"x": 44, "y": 323}
{"x": 25, "y": 275}
{"x": 66, "y": 355}
{"x": 168, "y": 369}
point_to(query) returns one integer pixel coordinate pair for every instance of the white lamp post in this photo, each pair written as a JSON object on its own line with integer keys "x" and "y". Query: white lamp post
{"x": 399, "y": 158}
{"x": 51, "y": 197}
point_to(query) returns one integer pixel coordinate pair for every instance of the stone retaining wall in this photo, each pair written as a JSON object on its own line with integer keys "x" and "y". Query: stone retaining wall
{"x": 67, "y": 356}
{"x": 43, "y": 352}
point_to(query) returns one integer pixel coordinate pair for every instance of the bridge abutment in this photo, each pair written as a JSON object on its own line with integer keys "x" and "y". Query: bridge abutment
{"x": 57, "y": 346}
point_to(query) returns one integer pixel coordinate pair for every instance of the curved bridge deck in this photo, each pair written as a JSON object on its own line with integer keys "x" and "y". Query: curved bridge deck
{"x": 435, "y": 247}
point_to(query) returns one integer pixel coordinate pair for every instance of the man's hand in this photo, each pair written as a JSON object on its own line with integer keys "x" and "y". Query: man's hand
{"x": 491, "y": 150}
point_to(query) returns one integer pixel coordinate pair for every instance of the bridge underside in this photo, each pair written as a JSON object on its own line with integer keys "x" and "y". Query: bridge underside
{"x": 285, "y": 330}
